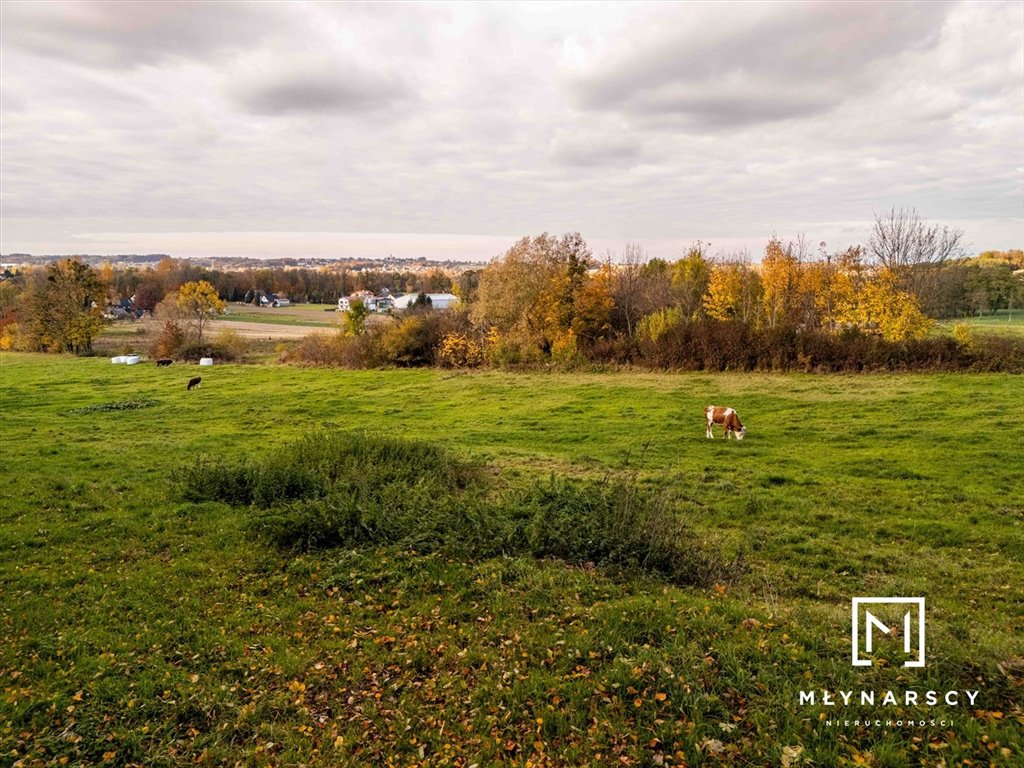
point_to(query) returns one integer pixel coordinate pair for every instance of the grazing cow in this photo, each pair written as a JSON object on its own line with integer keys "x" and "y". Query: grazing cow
{"x": 163, "y": 362}
{"x": 194, "y": 382}
{"x": 728, "y": 418}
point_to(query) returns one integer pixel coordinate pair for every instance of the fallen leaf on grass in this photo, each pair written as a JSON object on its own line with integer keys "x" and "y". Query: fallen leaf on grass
{"x": 791, "y": 756}
{"x": 712, "y": 746}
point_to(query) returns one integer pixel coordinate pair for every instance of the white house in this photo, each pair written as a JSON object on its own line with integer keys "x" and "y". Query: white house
{"x": 437, "y": 300}
{"x": 371, "y": 302}
{"x": 274, "y": 300}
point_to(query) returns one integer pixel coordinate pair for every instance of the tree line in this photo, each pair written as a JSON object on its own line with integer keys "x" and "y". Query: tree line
{"x": 548, "y": 298}
{"x": 59, "y": 307}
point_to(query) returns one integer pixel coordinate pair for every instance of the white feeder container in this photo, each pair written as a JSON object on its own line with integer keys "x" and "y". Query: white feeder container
{"x": 206, "y": 361}
{"x": 131, "y": 360}
{"x": 117, "y": 360}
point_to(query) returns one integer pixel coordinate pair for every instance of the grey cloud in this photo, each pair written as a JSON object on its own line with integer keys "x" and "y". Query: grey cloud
{"x": 327, "y": 87}
{"x": 692, "y": 120}
{"x": 725, "y": 107}
{"x": 581, "y": 150}
{"x": 724, "y": 69}
{"x": 128, "y": 34}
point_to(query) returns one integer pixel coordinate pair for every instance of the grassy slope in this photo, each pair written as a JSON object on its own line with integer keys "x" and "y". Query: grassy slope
{"x": 1004, "y": 322}
{"x": 156, "y": 630}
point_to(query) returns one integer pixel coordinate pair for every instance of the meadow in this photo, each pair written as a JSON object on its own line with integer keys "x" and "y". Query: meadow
{"x": 312, "y": 315}
{"x": 1008, "y": 322}
{"x": 137, "y": 627}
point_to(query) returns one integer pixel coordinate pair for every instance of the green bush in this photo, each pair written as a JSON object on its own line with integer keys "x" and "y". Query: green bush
{"x": 616, "y": 522}
{"x": 334, "y": 489}
{"x": 318, "y": 464}
{"x": 214, "y": 480}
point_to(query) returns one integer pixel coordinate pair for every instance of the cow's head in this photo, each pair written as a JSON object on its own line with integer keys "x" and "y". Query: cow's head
{"x": 741, "y": 433}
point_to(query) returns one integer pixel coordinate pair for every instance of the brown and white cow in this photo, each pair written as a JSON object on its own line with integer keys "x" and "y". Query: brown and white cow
{"x": 727, "y": 417}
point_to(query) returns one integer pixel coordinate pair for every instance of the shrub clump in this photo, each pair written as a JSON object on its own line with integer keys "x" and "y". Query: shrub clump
{"x": 614, "y": 521}
{"x": 334, "y": 489}
{"x": 172, "y": 342}
{"x": 118, "y": 405}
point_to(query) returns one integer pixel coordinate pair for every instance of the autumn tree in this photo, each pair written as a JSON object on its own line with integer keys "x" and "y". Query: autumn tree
{"x": 1013, "y": 258}
{"x": 436, "y": 281}
{"x": 572, "y": 258}
{"x": 691, "y": 276}
{"x": 874, "y": 302}
{"x": 510, "y": 287}
{"x": 781, "y": 283}
{"x": 828, "y": 284}
{"x": 106, "y": 276}
{"x": 63, "y": 307}
{"x": 147, "y": 294}
{"x": 592, "y": 317}
{"x": 892, "y": 313}
{"x": 531, "y": 292}
{"x": 198, "y": 303}
{"x": 466, "y": 285}
{"x": 656, "y": 284}
{"x": 627, "y": 287}
{"x": 12, "y": 295}
{"x": 914, "y": 252}
{"x": 734, "y": 292}
{"x": 639, "y": 287}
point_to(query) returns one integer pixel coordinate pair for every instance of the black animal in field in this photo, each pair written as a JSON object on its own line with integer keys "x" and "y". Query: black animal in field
{"x": 194, "y": 382}
{"x": 163, "y": 362}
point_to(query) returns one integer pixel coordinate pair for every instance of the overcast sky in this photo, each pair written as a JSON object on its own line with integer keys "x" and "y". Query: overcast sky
{"x": 294, "y": 129}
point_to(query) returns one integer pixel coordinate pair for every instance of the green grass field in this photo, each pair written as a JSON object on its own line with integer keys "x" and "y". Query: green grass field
{"x": 313, "y": 315}
{"x": 136, "y": 628}
{"x": 1003, "y": 321}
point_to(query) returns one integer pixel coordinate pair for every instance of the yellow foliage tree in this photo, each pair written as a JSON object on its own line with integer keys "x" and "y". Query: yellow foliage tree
{"x": 780, "y": 280}
{"x": 734, "y": 292}
{"x": 879, "y": 306}
{"x": 459, "y": 350}
{"x": 199, "y": 303}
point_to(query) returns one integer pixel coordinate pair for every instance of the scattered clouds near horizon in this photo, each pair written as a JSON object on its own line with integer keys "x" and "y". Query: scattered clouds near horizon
{"x": 136, "y": 123}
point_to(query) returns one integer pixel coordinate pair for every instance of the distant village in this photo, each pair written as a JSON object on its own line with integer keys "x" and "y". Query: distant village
{"x": 135, "y": 284}
{"x": 231, "y": 263}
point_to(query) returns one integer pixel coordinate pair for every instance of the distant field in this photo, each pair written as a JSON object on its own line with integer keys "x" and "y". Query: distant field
{"x": 137, "y": 628}
{"x": 1009, "y": 322}
{"x": 282, "y": 323}
{"x": 315, "y": 315}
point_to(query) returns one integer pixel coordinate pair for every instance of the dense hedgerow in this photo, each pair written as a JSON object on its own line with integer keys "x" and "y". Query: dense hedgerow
{"x": 724, "y": 345}
{"x": 682, "y": 344}
{"x": 335, "y": 489}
